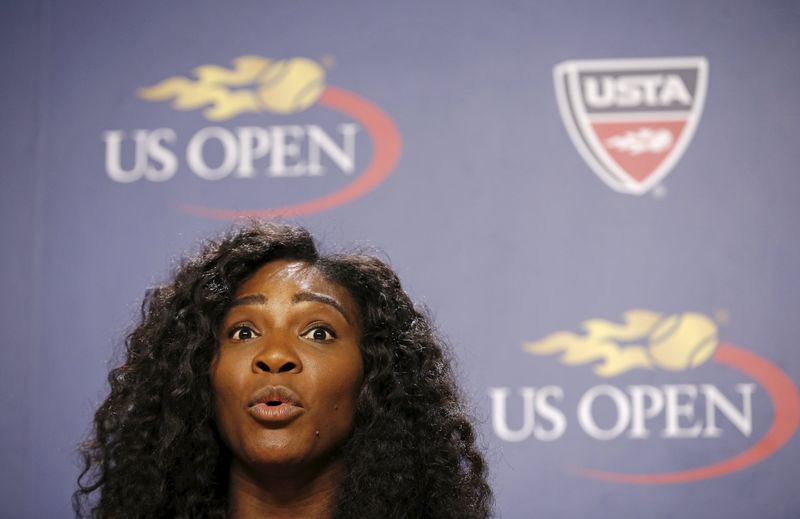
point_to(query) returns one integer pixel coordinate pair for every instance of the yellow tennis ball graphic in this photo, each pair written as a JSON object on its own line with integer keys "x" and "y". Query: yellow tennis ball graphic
{"x": 683, "y": 341}
{"x": 290, "y": 85}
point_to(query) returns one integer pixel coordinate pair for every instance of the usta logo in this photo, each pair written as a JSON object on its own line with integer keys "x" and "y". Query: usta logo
{"x": 651, "y": 90}
{"x": 631, "y": 119}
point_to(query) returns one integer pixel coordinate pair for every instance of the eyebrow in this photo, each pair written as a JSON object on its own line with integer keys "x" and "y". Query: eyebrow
{"x": 254, "y": 299}
{"x": 322, "y": 298}
{"x": 300, "y": 297}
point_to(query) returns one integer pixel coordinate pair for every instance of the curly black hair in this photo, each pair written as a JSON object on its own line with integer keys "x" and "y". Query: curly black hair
{"x": 156, "y": 452}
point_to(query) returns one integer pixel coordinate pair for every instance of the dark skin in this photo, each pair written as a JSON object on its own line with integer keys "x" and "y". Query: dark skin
{"x": 285, "y": 383}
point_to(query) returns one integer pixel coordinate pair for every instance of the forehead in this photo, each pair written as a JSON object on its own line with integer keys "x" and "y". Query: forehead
{"x": 294, "y": 276}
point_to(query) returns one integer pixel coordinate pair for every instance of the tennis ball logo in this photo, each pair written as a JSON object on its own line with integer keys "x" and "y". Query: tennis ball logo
{"x": 645, "y": 340}
{"x": 290, "y": 85}
{"x": 682, "y": 341}
{"x": 255, "y": 84}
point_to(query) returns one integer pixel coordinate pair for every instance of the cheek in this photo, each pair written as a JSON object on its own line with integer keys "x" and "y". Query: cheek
{"x": 224, "y": 384}
{"x": 346, "y": 394}
{"x": 228, "y": 373}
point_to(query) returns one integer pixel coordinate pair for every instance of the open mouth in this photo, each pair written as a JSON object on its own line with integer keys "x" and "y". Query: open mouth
{"x": 275, "y": 413}
{"x": 275, "y": 406}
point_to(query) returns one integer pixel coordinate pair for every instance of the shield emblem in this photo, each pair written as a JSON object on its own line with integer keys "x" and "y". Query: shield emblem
{"x": 631, "y": 119}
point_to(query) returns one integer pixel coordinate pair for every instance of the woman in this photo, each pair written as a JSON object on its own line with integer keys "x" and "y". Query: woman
{"x": 267, "y": 380}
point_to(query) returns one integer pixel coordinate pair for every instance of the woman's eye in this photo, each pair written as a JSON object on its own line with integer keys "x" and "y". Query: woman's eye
{"x": 319, "y": 334}
{"x": 242, "y": 333}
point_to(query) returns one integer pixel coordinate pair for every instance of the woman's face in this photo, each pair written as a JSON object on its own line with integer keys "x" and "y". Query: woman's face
{"x": 288, "y": 369}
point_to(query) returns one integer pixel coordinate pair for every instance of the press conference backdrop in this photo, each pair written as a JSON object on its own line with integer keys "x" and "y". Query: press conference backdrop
{"x": 597, "y": 201}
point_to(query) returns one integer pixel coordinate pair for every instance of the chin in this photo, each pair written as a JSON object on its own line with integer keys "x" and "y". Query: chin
{"x": 275, "y": 452}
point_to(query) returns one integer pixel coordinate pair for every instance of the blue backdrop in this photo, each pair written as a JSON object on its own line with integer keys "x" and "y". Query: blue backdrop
{"x": 607, "y": 237}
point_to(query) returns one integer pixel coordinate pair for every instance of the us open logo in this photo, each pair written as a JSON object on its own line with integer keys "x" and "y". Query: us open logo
{"x": 324, "y": 145}
{"x": 631, "y": 119}
{"x": 660, "y": 385}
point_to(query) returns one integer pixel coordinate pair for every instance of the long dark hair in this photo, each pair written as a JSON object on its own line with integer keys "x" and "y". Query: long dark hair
{"x": 155, "y": 451}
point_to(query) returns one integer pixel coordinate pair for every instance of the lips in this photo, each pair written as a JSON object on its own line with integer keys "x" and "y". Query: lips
{"x": 275, "y": 405}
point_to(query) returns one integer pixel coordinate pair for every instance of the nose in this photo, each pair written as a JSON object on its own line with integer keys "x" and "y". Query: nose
{"x": 277, "y": 355}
